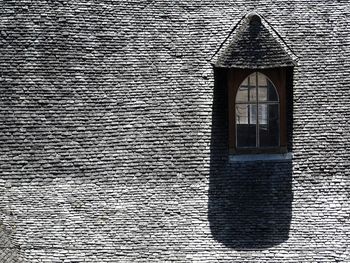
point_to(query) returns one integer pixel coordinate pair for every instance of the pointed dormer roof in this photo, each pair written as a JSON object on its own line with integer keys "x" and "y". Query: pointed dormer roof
{"x": 253, "y": 43}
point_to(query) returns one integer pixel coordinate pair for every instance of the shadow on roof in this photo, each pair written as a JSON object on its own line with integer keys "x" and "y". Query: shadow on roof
{"x": 250, "y": 203}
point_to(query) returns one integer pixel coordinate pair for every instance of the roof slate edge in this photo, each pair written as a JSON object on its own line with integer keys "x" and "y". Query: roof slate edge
{"x": 234, "y": 34}
{"x": 256, "y": 67}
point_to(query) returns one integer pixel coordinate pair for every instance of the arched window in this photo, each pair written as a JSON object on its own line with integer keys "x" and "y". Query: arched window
{"x": 257, "y": 113}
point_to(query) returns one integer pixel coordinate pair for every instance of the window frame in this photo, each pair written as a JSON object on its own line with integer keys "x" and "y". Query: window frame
{"x": 235, "y": 78}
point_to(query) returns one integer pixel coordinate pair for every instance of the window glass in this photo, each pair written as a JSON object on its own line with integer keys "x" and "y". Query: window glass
{"x": 272, "y": 94}
{"x": 268, "y": 125}
{"x": 252, "y": 93}
{"x": 263, "y": 114}
{"x": 257, "y": 113}
{"x": 267, "y": 92}
{"x": 245, "y": 82}
{"x": 252, "y": 80}
{"x": 242, "y": 94}
{"x": 246, "y": 94}
{"x": 252, "y": 113}
{"x": 242, "y": 113}
{"x": 262, "y": 91}
{"x": 246, "y": 125}
{"x": 262, "y": 80}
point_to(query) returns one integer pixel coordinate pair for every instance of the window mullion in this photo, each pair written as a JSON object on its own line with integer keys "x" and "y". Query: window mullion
{"x": 257, "y": 110}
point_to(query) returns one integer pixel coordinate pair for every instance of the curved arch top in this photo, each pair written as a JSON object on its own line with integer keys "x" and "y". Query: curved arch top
{"x": 256, "y": 87}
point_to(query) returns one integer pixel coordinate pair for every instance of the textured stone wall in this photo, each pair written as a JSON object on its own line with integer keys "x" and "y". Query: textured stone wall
{"x": 112, "y": 136}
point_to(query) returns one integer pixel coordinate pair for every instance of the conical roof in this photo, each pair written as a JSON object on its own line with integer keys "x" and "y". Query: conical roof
{"x": 253, "y": 44}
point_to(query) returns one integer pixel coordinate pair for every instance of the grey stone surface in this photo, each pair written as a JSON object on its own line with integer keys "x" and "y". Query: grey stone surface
{"x": 113, "y": 136}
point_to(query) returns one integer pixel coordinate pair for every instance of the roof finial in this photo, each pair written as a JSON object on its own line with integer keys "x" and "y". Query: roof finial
{"x": 254, "y": 18}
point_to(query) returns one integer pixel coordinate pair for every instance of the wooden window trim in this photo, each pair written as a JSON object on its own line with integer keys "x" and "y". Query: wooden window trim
{"x": 235, "y": 78}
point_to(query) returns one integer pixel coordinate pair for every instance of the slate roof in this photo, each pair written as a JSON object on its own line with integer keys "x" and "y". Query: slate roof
{"x": 253, "y": 44}
{"x": 113, "y": 135}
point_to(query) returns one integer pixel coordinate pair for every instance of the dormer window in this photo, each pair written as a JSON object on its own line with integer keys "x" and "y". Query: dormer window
{"x": 257, "y": 110}
{"x": 259, "y": 71}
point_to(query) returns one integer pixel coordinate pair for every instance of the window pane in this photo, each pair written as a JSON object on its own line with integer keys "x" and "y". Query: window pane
{"x": 252, "y": 93}
{"x": 262, "y": 93}
{"x": 247, "y": 90}
{"x": 266, "y": 90}
{"x": 242, "y": 94}
{"x": 242, "y": 113}
{"x": 262, "y": 80}
{"x": 272, "y": 95}
{"x": 252, "y": 79}
{"x": 246, "y": 125}
{"x": 263, "y": 114}
{"x": 252, "y": 113}
{"x": 252, "y": 87}
{"x": 268, "y": 125}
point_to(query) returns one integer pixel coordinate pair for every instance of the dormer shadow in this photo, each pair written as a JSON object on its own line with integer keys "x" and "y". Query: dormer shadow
{"x": 250, "y": 202}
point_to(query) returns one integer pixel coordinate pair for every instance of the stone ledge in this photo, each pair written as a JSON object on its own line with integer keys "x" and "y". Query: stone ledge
{"x": 260, "y": 157}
